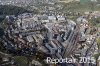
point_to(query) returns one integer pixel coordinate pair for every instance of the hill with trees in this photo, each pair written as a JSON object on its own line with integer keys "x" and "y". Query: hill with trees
{"x": 11, "y": 10}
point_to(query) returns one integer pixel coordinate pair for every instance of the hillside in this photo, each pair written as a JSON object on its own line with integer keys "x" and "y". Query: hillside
{"x": 11, "y": 10}
{"x": 77, "y": 7}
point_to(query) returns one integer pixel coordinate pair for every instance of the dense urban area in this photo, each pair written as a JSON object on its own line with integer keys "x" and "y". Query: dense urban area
{"x": 33, "y": 30}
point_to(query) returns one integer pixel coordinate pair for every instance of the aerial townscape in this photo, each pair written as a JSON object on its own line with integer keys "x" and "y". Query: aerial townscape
{"x": 49, "y": 32}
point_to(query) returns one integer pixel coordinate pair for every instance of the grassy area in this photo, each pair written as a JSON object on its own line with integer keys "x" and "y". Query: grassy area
{"x": 21, "y": 60}
{"x": 98, "y": 25}
{"x": 97, "y": 56}
{"x": 98, "y": 41}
